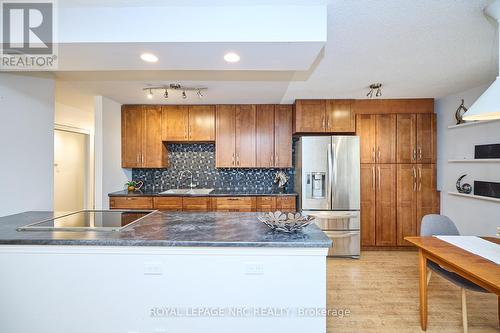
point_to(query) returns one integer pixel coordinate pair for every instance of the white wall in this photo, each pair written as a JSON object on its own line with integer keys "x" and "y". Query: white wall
{"x": 110, "y": 176}
{"x": 74, "y": 111}
{"x": 473, "y": 217}
{"x": 26, "y": 143}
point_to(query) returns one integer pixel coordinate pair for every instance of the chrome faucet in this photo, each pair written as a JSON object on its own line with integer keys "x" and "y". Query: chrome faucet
{"x": 181, "y": 174}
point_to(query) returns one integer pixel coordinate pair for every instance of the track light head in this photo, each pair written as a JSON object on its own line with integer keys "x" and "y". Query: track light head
{"x": 370, "y": 93}
{"x": 375, "y": 87}
{"x": 150, "y": 94}
{"x": 379, "y": 92}
{"x": 200, "y": 94}
{"x": 165, "y": 94}
{"x": 184, "y": 96}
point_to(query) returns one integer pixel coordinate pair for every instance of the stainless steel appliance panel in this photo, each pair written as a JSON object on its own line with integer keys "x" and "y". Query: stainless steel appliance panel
{"x": 346, "y": 243}
{"x": 315, "y": 154}
{"x": 336, "y": 220}
{"x": 345, "y": 173}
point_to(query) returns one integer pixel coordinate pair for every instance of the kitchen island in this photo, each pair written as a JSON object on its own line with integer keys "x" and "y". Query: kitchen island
{"x": 169, "y": 272}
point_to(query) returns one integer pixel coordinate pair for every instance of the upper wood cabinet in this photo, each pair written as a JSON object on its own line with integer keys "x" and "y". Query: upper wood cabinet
{"x": 416, "y": 138}
{"x": 310, "y": 116}
{"x": 245, "y": 152}
{"x": 188, "y": 123}
{"x": 175, "y": 123}
{"x": 377, "y": 138}
{"x": 426, "y": 138}
{"x": 274, "y": 136}
{"x": 225, "y": 136}
{"x": 235, "y": 136}
{"x": 324, "y": 116}
{"x": 385, "y": 138}
{"x": 339, "y": 116}
{"x": 141, "y": 137}
{"x": 365, "y": 129}
{"x": 202, "y": 123}
{"x": 283, "y": 115}
{"x": 265, "y": 128}
{"x": 380, "y": 106}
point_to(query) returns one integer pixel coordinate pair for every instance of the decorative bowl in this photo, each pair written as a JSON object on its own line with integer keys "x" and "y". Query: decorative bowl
{"x": 286, "y": 222}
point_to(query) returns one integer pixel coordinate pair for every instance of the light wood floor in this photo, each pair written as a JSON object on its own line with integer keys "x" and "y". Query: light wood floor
{"x": 381, "y": 291}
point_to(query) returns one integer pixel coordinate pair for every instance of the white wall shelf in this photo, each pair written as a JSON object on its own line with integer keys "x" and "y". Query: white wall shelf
{"x": 473, "y": 123}
{"x": 479, "y": 160}
{"x": 472, "y": 196}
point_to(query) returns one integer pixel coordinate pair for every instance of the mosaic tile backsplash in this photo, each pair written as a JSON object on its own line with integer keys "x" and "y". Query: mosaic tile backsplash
{"x": 199, "y": 158}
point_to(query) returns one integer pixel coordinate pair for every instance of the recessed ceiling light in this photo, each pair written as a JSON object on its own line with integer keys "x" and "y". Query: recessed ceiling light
{"x": 149, "y": 57}
{"x": 231, "y": 57}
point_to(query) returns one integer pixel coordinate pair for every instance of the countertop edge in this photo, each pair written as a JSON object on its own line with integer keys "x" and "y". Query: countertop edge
{"x": 135, "y": 194}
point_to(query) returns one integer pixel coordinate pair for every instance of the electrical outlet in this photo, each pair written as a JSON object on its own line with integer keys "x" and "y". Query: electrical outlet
{"x": 153, "y": 268}
{"x": 254, "y": 268}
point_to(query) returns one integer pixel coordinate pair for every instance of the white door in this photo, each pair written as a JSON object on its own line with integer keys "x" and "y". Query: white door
{"x": 70, "y": 170}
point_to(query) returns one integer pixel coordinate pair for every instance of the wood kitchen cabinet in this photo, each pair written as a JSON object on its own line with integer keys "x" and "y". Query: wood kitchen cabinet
{"x": 196, "y": 204}
{"x": 234, "y": 204}
{"x": 266, "y": 204}
{"x": 417, "y": 196}
{"x": 201, "y": 123}
{"x": 168, "y": 203}
{"x": 131, "y": 203}
{"x": 378, "y": 205}
{"x": 235, "y": 136}
{"x": 324, "y": 116}
{"x": 283, "y": 120}
{"x": 377, "y": 138}
{"x": 286, "y": 203}
{"x": 310, "y": 116}
{"x": 175, "y": 123}
{"x": 385, "y": 224}
{"x": 274, "y": 136}
{"x": 225, "y": 136}
{"x": 339, "y": 116}
{"x": 368, "y": 204}
{"x": 195, "y": 123}
{"x": 265, "y": 127}
{"x": 142, "y": 146}
{"x": 416, "y": 138}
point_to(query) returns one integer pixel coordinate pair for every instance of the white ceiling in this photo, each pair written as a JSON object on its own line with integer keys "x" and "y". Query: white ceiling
{"x": 424, "y": 48}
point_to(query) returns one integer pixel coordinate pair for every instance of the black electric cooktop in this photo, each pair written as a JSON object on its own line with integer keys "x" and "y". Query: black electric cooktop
{"x": 88, "y": 220}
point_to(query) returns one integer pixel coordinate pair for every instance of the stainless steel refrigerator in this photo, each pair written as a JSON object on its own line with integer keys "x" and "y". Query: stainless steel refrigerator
{"x": 328, "y": 182}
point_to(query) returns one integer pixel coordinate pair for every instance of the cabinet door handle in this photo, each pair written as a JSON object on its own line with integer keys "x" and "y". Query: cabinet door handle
{"x": 323, "y": 122}
{"x": 414, "y": 179}
{"x": 233, "y": 160}
{"x": 379, "y": 153}
{"x": 419, "y": 153}
{"x": 276, "y": 160}
{"x": 419, "y": 179}
{"x": 373, "y": 153}
{"x": 238, "y": 159}
{"x": 414, "y": 154}
{"x": 373, "y": 178}
{"x": 379, "y": 179}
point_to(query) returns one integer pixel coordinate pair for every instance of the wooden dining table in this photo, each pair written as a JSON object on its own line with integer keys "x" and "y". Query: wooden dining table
{"x": 472, "y": 267}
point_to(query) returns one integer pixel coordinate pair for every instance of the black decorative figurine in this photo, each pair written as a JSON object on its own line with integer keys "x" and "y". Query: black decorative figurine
{"x": 460, "y": 113}
{"x": 465, "y": 188}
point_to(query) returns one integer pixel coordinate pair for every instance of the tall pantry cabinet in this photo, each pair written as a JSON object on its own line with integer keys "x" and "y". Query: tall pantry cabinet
{"x": 398, "y": 172}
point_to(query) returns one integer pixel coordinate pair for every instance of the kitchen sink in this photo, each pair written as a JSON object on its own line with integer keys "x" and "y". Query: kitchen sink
{"x": 199, "y": 191}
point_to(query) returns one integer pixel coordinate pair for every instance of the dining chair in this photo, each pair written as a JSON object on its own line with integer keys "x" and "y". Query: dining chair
{"x": 435, "y": 225}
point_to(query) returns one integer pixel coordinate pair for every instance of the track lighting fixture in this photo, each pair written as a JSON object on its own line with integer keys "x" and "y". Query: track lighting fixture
{"x": 167, "y": 90}
{"x": 375, "y": 87}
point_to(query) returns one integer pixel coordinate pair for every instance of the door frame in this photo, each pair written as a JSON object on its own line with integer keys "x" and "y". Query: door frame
{"x": 88, "y": 202}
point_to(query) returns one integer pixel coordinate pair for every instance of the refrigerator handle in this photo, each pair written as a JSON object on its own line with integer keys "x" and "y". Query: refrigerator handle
{"x": 330, "y": 173}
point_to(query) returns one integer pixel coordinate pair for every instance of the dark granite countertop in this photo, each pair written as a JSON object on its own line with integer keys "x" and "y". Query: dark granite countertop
{"x": 168, "y": 229}
{"x": 214, "y": 193}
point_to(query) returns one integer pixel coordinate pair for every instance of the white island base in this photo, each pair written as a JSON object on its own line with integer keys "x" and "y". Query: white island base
{"x": 125, "y": 289}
